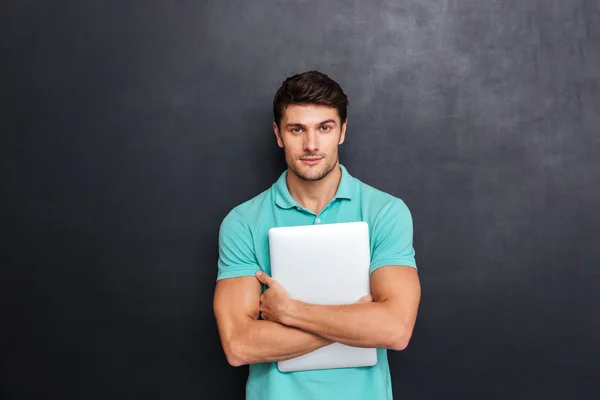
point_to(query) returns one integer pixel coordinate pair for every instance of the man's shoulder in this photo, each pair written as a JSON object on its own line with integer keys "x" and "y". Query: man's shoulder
{"x": 250, "y": 210}
{"x": 379, "y": 200}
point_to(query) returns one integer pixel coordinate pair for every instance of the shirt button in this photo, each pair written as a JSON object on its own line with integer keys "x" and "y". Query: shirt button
{"x": 318, "y": 220}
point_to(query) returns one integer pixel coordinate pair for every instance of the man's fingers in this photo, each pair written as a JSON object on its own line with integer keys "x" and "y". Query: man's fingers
{"x": 365, "y": 299}
{"x": 264, "y": 278}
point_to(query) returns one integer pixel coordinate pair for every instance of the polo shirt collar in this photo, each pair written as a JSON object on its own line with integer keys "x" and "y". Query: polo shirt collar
{"x": 284, "y": 199}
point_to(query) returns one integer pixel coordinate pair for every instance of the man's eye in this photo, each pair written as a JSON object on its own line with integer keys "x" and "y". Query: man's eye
{"x": 296, "y": 130}
{"x": 325, "y": 128}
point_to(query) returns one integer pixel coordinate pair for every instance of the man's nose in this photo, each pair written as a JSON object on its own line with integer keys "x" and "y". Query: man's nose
{"x": 311, "y": 141}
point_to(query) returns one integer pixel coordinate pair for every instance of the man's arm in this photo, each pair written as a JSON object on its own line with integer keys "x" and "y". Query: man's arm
{"x": 247, "y": 340}
{"x": 387, "y": 322}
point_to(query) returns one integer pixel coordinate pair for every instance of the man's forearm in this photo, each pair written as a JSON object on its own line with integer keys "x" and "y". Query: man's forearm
{"x": 359, "y": 325}
{"x": 266, "y": 341}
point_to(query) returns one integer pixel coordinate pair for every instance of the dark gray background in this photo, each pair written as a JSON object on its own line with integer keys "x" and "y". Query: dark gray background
{"x": 130, "y": 128}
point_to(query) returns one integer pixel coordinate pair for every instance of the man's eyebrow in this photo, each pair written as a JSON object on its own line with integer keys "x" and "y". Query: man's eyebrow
{"x": 296, "y": 124}
{"x": 327, "y": 122}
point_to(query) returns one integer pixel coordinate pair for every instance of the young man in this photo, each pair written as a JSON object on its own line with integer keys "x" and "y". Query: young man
{"x": 260, "y": 328}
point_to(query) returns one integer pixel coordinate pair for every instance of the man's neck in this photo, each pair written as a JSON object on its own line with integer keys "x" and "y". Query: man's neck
{"x": 314, "y": 195}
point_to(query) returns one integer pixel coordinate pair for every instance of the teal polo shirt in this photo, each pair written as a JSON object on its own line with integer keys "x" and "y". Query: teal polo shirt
{"x": 244, "y": 249}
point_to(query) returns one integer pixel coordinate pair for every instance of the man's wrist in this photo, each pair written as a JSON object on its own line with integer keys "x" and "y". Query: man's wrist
{"x": 290, "y": 318}
{"x": 290, "y": 309}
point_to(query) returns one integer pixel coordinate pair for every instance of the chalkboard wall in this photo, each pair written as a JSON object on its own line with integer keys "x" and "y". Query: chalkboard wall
{"x": 131, "y": 128}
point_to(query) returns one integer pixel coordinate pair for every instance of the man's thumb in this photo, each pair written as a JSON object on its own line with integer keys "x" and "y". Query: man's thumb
{"x": 264, "y": 278}
{"x": 365, "y": 299}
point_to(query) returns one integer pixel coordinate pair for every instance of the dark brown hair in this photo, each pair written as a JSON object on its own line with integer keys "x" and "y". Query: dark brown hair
{"x": 311, "y": 87}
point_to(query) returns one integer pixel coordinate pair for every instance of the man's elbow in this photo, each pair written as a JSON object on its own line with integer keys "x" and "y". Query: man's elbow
{"x": 400, "y": 338}
{"x": 234, "y": 354}
{"x": 234, "y": 360}
{"x": 399, "y": 344}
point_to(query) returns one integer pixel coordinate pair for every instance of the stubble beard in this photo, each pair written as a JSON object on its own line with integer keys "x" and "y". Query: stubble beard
{"x": 326, "y": 169}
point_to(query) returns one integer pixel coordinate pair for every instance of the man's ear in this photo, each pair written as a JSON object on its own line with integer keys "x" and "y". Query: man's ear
{"x": 343, "y": 132}
{"x": 277, "y": 135}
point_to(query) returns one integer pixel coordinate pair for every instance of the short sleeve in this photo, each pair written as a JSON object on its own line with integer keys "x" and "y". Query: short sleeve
{"x": 236, "y": 249}
{"x": 392, "y": 235}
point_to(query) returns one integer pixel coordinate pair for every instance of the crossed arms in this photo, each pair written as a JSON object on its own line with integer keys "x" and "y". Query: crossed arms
{"x": 291, "y": 328}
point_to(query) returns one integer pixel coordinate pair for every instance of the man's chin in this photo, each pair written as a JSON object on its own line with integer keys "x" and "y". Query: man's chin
{"x": 311, "y": 178}
{"x": 310, "y": 174}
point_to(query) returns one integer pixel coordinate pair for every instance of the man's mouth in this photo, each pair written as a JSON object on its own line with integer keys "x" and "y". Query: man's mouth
{"x": 311, "y": 160}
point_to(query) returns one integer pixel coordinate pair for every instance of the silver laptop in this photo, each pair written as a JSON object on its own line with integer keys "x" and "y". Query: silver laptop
{"x": 324, "y": 264}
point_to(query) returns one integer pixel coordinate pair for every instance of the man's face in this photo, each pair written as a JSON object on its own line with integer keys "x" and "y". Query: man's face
{"x": 310, "y": 136}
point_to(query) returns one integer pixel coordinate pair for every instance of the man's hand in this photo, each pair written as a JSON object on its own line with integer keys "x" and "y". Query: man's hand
{"x": 275, "y": 301}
